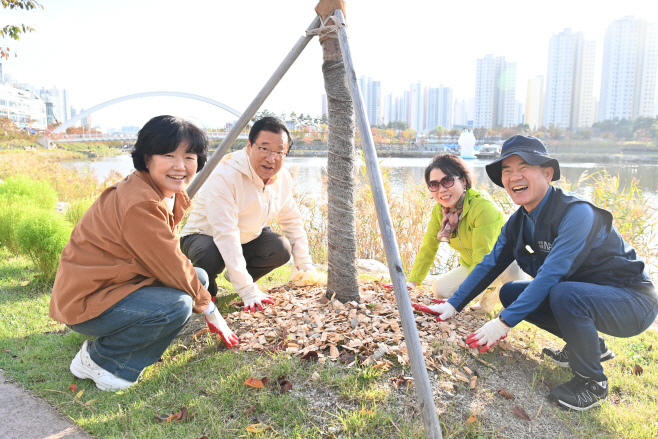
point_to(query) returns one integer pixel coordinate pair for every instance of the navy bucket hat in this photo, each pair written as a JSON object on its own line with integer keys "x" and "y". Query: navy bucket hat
{"x": 529, "y": 149}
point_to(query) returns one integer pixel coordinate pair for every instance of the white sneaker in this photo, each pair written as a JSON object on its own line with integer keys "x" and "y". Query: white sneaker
{"x": 84, "y": 367}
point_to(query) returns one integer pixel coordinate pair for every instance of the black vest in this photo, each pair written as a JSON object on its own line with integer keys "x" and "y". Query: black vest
{"x": 613, "y": 263}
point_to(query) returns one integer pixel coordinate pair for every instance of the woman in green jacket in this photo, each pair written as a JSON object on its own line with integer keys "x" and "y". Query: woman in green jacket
{"x": 469, "y": 222}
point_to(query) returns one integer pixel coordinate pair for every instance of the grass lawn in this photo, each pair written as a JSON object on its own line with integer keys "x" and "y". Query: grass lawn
{"x": 327, "y": 400}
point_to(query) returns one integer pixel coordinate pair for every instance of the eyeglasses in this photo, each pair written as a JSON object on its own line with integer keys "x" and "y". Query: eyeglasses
{"x": 278, "y": 155}
{"x": 446, "y": 182}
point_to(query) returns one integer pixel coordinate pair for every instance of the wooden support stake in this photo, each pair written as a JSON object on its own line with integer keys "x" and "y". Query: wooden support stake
{"x": 418, "y": 369}
{"x": 242, "y": 122}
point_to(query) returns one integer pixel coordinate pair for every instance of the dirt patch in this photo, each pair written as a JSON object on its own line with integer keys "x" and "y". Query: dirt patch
{"x": 465, "y": 383}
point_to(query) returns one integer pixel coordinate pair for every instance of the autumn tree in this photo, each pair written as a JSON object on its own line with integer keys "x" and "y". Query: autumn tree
{"x": 14, "y": 31}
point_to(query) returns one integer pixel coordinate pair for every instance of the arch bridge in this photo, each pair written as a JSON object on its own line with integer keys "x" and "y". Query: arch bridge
{"x": 59, "y": 133}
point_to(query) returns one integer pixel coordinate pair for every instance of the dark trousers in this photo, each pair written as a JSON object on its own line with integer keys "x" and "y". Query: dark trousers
{"x": 575, "y": 311}
{"x": 262, "y": 255}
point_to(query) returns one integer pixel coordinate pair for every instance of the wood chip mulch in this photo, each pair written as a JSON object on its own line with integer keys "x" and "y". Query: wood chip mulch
{"x": 304, "y": 322}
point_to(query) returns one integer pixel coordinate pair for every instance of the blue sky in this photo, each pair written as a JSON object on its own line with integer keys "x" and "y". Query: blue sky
{"x": 226, "y": 50}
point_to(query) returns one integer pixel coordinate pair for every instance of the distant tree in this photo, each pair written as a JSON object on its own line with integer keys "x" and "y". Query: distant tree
{"x": 398, "y": 125}
{"x": 586, "y": 133}
{"x": 439, "y": 131}
{"x": 643, "y": 123}
{"x": 554, "y": 131}
{"x": 14, "y": 31}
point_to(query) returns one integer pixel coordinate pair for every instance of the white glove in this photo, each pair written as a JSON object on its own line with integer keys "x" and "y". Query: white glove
{"x": 217, "y": 325}
{"x": 308, "y": 268}
{"x": 306, "y": 275}
{"x": 411, "y": 285}
{"x": 488, "y": 335}
{"x": 255, "y": 298}
{"x": 445, "y": 310}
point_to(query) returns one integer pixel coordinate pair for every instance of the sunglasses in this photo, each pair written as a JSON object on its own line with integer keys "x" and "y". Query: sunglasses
{"x": 446, "y": 182}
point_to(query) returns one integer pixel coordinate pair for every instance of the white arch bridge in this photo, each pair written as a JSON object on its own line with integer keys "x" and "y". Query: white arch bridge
{"x": 59, "y": 133}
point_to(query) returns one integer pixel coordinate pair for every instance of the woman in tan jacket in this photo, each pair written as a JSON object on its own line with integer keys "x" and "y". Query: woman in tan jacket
{"x": 122, "y": 277}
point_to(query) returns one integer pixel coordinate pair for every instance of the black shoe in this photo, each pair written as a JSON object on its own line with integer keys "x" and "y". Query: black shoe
{"x": 580, "y": 393}
{"x": 561, "y": 357}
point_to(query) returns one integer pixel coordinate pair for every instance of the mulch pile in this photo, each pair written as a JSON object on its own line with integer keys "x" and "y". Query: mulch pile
{"x": 304, "y": 322}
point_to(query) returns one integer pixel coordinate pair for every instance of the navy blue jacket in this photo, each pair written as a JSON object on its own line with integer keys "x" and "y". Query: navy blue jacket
{"x": 603, "y": 257}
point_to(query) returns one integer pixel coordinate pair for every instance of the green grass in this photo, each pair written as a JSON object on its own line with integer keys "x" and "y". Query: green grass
{"x": 327, "y": 399}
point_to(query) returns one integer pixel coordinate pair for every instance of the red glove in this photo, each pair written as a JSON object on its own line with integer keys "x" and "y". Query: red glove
{"x": 217, "y": 325}
{"x": 488, "y": 335}
{"x": 390, "y": 286}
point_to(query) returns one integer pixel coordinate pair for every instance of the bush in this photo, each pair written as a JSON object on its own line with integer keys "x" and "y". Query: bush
{"x": 18, "y": 196}
{"x": 77, "y": 208}
{"x": 20, "y": 186}
{"x": 42, "y": 235}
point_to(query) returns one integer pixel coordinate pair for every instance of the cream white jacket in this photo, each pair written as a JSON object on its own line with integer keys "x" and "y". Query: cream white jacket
{"x": 234, "y": 205}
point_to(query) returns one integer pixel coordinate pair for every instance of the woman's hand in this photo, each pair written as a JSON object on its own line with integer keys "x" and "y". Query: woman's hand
{"x": 217, "y": 325}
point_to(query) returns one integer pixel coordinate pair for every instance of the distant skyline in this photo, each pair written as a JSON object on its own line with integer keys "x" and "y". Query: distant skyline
{"x": 226, "y": 51}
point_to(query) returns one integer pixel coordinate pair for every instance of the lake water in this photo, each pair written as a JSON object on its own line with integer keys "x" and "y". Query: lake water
{"x": 308, "y": 172}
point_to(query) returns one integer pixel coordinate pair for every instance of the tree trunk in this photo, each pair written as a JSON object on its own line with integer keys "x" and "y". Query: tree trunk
{"x": 342, "y": 279}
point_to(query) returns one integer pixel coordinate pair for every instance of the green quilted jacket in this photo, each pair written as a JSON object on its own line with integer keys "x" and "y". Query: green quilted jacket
{"x": 477, "y": 233}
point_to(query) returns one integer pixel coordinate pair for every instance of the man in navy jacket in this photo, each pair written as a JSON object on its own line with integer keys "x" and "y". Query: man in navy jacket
{"x": 586, "y": 277}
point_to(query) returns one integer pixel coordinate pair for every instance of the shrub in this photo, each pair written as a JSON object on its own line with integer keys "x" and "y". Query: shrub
{"x": 42, "y": 235}
{"x": 13, "y": 210}
{"x": 77, "y": 208}
{"x": 18, "y": 196}
{"x": 21, "y": 186}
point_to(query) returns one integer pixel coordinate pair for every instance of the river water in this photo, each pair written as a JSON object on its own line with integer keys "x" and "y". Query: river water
{"x": 308, "y": 172}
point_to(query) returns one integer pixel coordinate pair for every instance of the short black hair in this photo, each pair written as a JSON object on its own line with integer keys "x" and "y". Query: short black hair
{"x": 452, "y": 166}
{"x": 271, "y": 124}
{"x": 163, "y": 134}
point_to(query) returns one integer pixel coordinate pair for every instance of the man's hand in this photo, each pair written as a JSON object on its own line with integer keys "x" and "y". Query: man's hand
{"x": 445, "y": 310}
{"x": 255, "y": 299}
{"x": 411, "y": 285}
{"x": 217, "y": 325}
{"x": 307, "y": 268}
{"x": 488, "y": 335}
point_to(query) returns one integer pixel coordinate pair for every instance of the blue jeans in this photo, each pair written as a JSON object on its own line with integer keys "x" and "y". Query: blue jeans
{"x": 575, "y": 311}
{"x": 134, "y": 332}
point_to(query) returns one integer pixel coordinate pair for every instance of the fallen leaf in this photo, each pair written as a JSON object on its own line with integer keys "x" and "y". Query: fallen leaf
{"x": 90, "y": 402}
{"x": 346, "y": 358}
{"x": 650, "y": 348}
{"x": 79, "y": 394}
{"x": 25, "y": 283}
{"x": 201, "y": 332}
{"x": 399, "y": 380}
{"x": 505, "y": 393}
{"x": 73, "y": 388}
{"x": 249, "y": 410}
{"x": 310, "y": 356}
{"x": 637, "y": 370}
{"x": 179, "y": 416}
{"x": 471, "y": 419}
{"x": 518, "y": 411}
{"x": 203, "y": 437}
{"x": 473, "y": 382}
{"x": 363, "y": 411}
{"x": 286, "y": 386}
{"x": 316, "y": 376}
{"x": 257, "y": 428}
{"x": 253, "y": 382}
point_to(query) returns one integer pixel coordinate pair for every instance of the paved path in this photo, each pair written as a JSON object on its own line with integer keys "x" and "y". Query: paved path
{"x": 26, "y": 416}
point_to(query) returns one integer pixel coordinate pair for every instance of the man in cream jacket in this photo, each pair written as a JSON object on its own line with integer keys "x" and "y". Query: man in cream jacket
{"x": 228, "y": 224}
